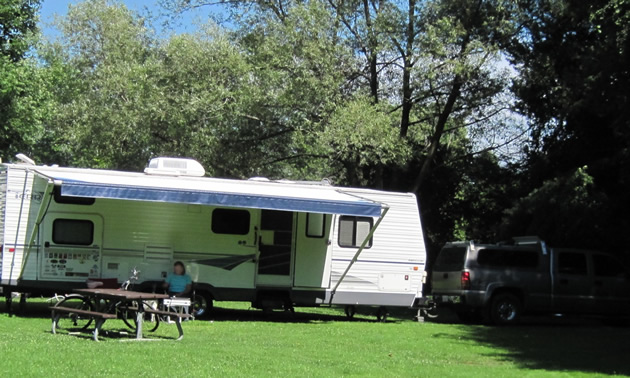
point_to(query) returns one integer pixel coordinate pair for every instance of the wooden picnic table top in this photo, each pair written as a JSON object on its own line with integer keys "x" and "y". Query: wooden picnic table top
{"x": 120, "y": 294}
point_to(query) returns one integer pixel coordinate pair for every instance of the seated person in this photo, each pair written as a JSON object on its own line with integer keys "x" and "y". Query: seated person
{"x": 178, "y": 283}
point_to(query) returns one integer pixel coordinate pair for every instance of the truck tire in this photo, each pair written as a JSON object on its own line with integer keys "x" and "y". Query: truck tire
{"x": 505, "y": 309}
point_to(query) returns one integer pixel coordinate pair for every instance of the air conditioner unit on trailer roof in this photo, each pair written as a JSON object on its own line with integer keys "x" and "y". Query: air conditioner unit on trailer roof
{"x": 168, "y": 166}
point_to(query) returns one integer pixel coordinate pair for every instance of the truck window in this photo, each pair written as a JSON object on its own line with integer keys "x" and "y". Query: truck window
{"x": 230, "y": 221}
{"x": 504, "y": 258}
{"x": 607, "y": 266}
{"x": 73, "y": 231}
{"x": 572, "y": 263}
{"x": 450, "y": 259}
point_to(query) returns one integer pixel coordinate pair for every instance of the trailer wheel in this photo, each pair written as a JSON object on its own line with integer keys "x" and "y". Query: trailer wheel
{"x": 350, "y": 311}
{"x": 505, "y": 309}
{"x": 381, "y": 314}
{"x": 201, "y": 305}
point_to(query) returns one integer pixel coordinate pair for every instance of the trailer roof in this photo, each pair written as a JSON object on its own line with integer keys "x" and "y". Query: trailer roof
{"x": 76, "y": 182}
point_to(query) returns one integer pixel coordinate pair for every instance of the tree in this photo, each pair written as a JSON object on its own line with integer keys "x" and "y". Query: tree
{"x": 19, "y": 115}
{"x": 429, "y": 61}
{"x": 573, "y": 58}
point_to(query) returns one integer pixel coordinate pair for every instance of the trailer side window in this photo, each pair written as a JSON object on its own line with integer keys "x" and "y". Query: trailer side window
{"x": 73, "y": 231}
{"x": 71, "y": 200}
{"x": 353, "y": 230}
{"x": 230, "y": 221}
{"x": 315, "y": 225}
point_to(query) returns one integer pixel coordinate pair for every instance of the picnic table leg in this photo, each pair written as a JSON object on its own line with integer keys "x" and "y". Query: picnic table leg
{"x": 139, "y": 320}
{"x": 99, "y": 324}
{"x": 55, "y": 322}
{"x": 178, "y": 321}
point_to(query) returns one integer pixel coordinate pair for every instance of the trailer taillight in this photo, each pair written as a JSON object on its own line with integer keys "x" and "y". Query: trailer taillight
{"x": 465, "y": 280}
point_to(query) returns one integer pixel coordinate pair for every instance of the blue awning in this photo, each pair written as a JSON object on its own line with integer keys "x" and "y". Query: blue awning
{"x": 214, "y": 192}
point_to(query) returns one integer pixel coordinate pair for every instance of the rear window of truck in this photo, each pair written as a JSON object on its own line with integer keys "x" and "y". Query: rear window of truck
{"x": 507, "y": 258}
{"x": 450, "y": 259}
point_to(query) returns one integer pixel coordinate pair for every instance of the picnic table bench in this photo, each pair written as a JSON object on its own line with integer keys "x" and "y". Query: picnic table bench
{"x": 100, "y": 317}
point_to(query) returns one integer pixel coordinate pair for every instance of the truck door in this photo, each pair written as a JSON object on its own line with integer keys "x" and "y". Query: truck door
{"x": 276, "y": 247}
{"x": 72, "y": 247}
{"x": 611, "y": 284}
{"x": 573, "y": 283}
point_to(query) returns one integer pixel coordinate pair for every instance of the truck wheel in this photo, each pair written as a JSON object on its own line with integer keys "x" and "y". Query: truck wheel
{"x": 505, "y": 309}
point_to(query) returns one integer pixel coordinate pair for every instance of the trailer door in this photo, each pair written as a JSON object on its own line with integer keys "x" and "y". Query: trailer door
{"x": 313, "y": 252}
{"x": 276, "y": 248}
{"x": 71, "y": 247}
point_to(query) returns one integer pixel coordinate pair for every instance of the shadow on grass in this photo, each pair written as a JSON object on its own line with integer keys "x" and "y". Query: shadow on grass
{"x": 39, "y": 308}
{"x": 556, "y": 344}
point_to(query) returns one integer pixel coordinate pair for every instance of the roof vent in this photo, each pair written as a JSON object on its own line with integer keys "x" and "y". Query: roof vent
{"x": 167, "y": 166}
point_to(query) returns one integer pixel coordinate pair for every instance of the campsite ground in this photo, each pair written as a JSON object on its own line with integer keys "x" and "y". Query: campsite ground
{"x": 237, "y": 341}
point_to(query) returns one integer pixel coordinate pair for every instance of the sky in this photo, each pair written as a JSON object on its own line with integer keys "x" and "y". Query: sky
{"x": 185, "y": 23}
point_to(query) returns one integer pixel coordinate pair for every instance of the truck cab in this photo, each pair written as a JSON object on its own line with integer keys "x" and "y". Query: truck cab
{"x": 500, "y": 282}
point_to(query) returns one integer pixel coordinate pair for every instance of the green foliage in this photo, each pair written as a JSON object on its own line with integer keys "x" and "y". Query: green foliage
{"x": 19, "y": 82}
{"x": 18, "y": 22}
{"x": 573, "y": 83}
{"x": 360, "y": 135}
{"x": 565, "y": 211}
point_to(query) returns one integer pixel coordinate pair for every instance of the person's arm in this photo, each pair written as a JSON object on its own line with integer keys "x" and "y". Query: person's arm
{"x": 186, "y": 290}
{"x": 167, "y": 282}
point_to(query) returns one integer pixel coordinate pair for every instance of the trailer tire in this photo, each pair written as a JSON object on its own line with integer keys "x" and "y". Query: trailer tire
{"x": 202, "y": 305}
{"x": 350, "y": 310}
{"x": 505, "y": 309}
{"x": 381, "y": 314}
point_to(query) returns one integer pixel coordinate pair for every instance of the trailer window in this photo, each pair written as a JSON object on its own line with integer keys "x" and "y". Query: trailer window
{"x": 353, "y": 230}
{"x": 230, "y": 221}
{"x": 71, "y": 200}
{"x": 315, "y": 225}
{"x": 73, "y": 231}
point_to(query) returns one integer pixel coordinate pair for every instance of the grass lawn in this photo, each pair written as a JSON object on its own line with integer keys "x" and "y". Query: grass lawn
{"x": 236, "y": 341}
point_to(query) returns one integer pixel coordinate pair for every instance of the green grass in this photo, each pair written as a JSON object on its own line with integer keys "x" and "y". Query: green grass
{"x": 237, "y": 341}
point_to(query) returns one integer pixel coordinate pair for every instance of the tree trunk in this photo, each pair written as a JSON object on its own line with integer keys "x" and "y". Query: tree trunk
{"x": 408, "y": 64}
{"x": 439, "y": 130}
{"x": 371, "y": 49}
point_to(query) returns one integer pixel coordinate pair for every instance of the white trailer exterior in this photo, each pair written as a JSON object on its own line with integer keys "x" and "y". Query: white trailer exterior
{"x": 249, "y": 240}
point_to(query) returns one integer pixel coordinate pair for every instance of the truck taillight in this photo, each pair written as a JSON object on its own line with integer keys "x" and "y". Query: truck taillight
{"x": 465, "y": 280}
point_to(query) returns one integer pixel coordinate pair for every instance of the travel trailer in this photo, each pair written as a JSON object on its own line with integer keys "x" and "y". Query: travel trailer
{"x": 272, "y": 243}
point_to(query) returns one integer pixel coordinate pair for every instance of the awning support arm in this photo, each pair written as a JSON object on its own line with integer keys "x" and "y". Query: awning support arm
{"x": 43, "y": 209}
{"x": 356, "y": 255}
{"x": 19, "y": 223}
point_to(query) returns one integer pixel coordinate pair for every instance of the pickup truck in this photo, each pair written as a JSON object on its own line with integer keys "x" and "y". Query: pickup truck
{"x": 500, "y": 282}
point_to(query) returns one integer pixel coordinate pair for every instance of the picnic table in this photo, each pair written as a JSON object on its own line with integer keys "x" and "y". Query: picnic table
{"x": 113, "y": 298}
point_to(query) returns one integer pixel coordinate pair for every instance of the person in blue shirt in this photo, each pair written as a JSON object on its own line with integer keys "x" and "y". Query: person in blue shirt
{"x": 178, "y": 283}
